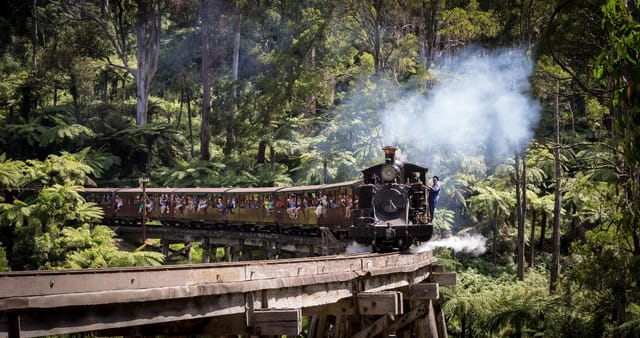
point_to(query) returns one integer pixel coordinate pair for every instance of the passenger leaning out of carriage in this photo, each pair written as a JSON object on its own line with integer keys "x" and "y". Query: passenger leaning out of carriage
{"x": 139, "y": 203}
{"x": 149, "y": 204}
{"x": 119, "y": 203}
{"x": 164, "y": 204}
{"x": 204, "y": 204}
{"x": 178, "y": 204}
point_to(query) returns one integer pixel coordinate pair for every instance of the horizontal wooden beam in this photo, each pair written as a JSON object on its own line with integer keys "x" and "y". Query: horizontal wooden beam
{"x": 444, "y": 278}
{"x": 379, "y": 303}
{"x": 424, "y": 291}
{"x": 277, "y": 321}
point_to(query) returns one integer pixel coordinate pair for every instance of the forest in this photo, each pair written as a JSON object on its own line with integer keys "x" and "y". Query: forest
{"x": 527, "y": 110}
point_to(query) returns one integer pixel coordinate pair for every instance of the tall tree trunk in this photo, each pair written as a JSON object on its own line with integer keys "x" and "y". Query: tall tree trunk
{"x": 555, "y": 265}
{"x": 34, "y": 36}
{"x": 234, "y": 91}
{"x": 377, "y": 46}
{"x": 179, "y": 119}
{"x": 311, "y": 97}
{"x": 325, "y": 171}
{"x": 193, "y": 152}
{"x": 432, "y": 35}
{"x": 148, "y": 25}
{"x": 524, "y": 195}
{"x": 205, "y": 129}
{"x": 532, "y": 242}
{"x": 262, "y": 149}
{"x": 520, "y": 240}
{"x": 495, "y": 237}
{"x": 543, "y": 230}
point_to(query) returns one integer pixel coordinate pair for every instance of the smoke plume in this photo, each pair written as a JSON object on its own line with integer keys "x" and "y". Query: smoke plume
{"x": 478, "y": 106}
{"x": 474, "y": 244}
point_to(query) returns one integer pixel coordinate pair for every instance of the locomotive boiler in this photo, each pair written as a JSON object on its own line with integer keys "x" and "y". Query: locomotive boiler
{"x": 393, "y": 211}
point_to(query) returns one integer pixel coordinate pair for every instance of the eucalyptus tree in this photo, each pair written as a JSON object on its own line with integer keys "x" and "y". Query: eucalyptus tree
{"x": 134, "y": 33}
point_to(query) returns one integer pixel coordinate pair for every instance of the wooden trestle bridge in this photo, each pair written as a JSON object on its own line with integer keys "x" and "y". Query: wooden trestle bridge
{"x": 363, "y": 295}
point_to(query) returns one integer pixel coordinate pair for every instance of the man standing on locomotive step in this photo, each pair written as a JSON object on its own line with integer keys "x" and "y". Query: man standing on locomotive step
{"x": 434, "y": 192}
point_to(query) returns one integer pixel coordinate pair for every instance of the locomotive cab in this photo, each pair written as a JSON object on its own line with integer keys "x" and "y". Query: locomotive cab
{"x": 392, "y": 212}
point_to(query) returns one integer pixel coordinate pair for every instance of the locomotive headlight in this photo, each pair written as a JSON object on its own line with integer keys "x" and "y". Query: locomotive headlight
{"x": 388, "y": 172}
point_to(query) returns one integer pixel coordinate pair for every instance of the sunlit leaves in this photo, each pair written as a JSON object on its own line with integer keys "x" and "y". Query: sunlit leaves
{"x": 15, "y": 214}
{"x": 469, "y": 24}
{"x": 191, "y": 174}
{"x": 57, "y": 169}
{"x": 95, "y": 248}
{"x": 13, "y": 174}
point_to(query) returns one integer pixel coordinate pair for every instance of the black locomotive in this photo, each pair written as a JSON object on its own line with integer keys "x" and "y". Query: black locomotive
{"x": 393, "y": 210}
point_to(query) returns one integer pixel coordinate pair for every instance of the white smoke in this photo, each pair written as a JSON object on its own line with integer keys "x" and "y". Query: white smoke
{"x": 355, "y": 248}
{"x": 479, "y": 104}
{"x": 474, "y": 244}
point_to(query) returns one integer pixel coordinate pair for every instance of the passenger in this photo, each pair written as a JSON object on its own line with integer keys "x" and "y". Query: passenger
{"x": 434, "y": 192}
{"x": 204, "y": 204}
{"x": 291, "y": 210}
{"x": 179, "y": 204}
{"x": 149, "y": 204}
{"x": 228, "y": 207}
{"x": 301, "y": 205}
{"x": 119, "y": 203}
{"x": 347, "y": 213}
{"x": 194, "y": 204}
{"x": 138, "y": 201}
{"x": 164, "y": 204}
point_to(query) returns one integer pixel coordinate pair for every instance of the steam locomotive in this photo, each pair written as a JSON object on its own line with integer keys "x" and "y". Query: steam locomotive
{"x": 386, "y": 209}
{"x": 393, "y": 210}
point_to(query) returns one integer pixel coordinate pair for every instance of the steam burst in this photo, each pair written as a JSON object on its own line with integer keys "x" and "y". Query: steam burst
{"x": 355, "y": 248}
{"x": 474, "y": 244}
{"x": 478, "y": 105}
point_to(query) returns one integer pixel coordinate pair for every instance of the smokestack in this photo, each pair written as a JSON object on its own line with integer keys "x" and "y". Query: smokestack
{"x": 390, "y": 154}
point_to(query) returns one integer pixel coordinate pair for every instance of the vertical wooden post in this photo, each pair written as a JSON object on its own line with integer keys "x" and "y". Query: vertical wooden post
{"x": 321, "y": 326}
{"x": 431, "y": 328}
{"x": 227, "y": 253}
{"x": 440, "y": 321}
{"x": 206, "y": 250}
{"x": 14, "y": 326}
{"x": 165, "y": 246}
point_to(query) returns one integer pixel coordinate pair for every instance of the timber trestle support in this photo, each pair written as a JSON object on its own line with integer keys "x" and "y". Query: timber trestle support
{"x": 360, "y": 295}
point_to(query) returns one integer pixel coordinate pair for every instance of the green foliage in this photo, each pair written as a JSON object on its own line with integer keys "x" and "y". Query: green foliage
{"x": 13, "y": 174}
{"x": 187, "y": 174}
{"x": 85, "y": 248}
{"x": 312, "y": 77}
{"x": 59, "y": 169}
{"x": 50, "y": 227}
{"x": 631, "y": 328}
{"x": 4, "y": 263}
{"x": 469, "y": 24}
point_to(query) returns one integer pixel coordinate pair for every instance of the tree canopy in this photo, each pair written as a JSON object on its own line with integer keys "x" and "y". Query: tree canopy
{"x": 528, "y": 111}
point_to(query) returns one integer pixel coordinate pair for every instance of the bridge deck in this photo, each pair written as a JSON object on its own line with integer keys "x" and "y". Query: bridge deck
{"x": 39, "y": 303}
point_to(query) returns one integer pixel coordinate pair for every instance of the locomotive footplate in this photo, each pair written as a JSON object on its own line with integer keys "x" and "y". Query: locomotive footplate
{"x": 388, "y": 237}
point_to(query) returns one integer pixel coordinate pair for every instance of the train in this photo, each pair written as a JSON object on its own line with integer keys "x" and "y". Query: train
{"x": 387, "y": 208}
